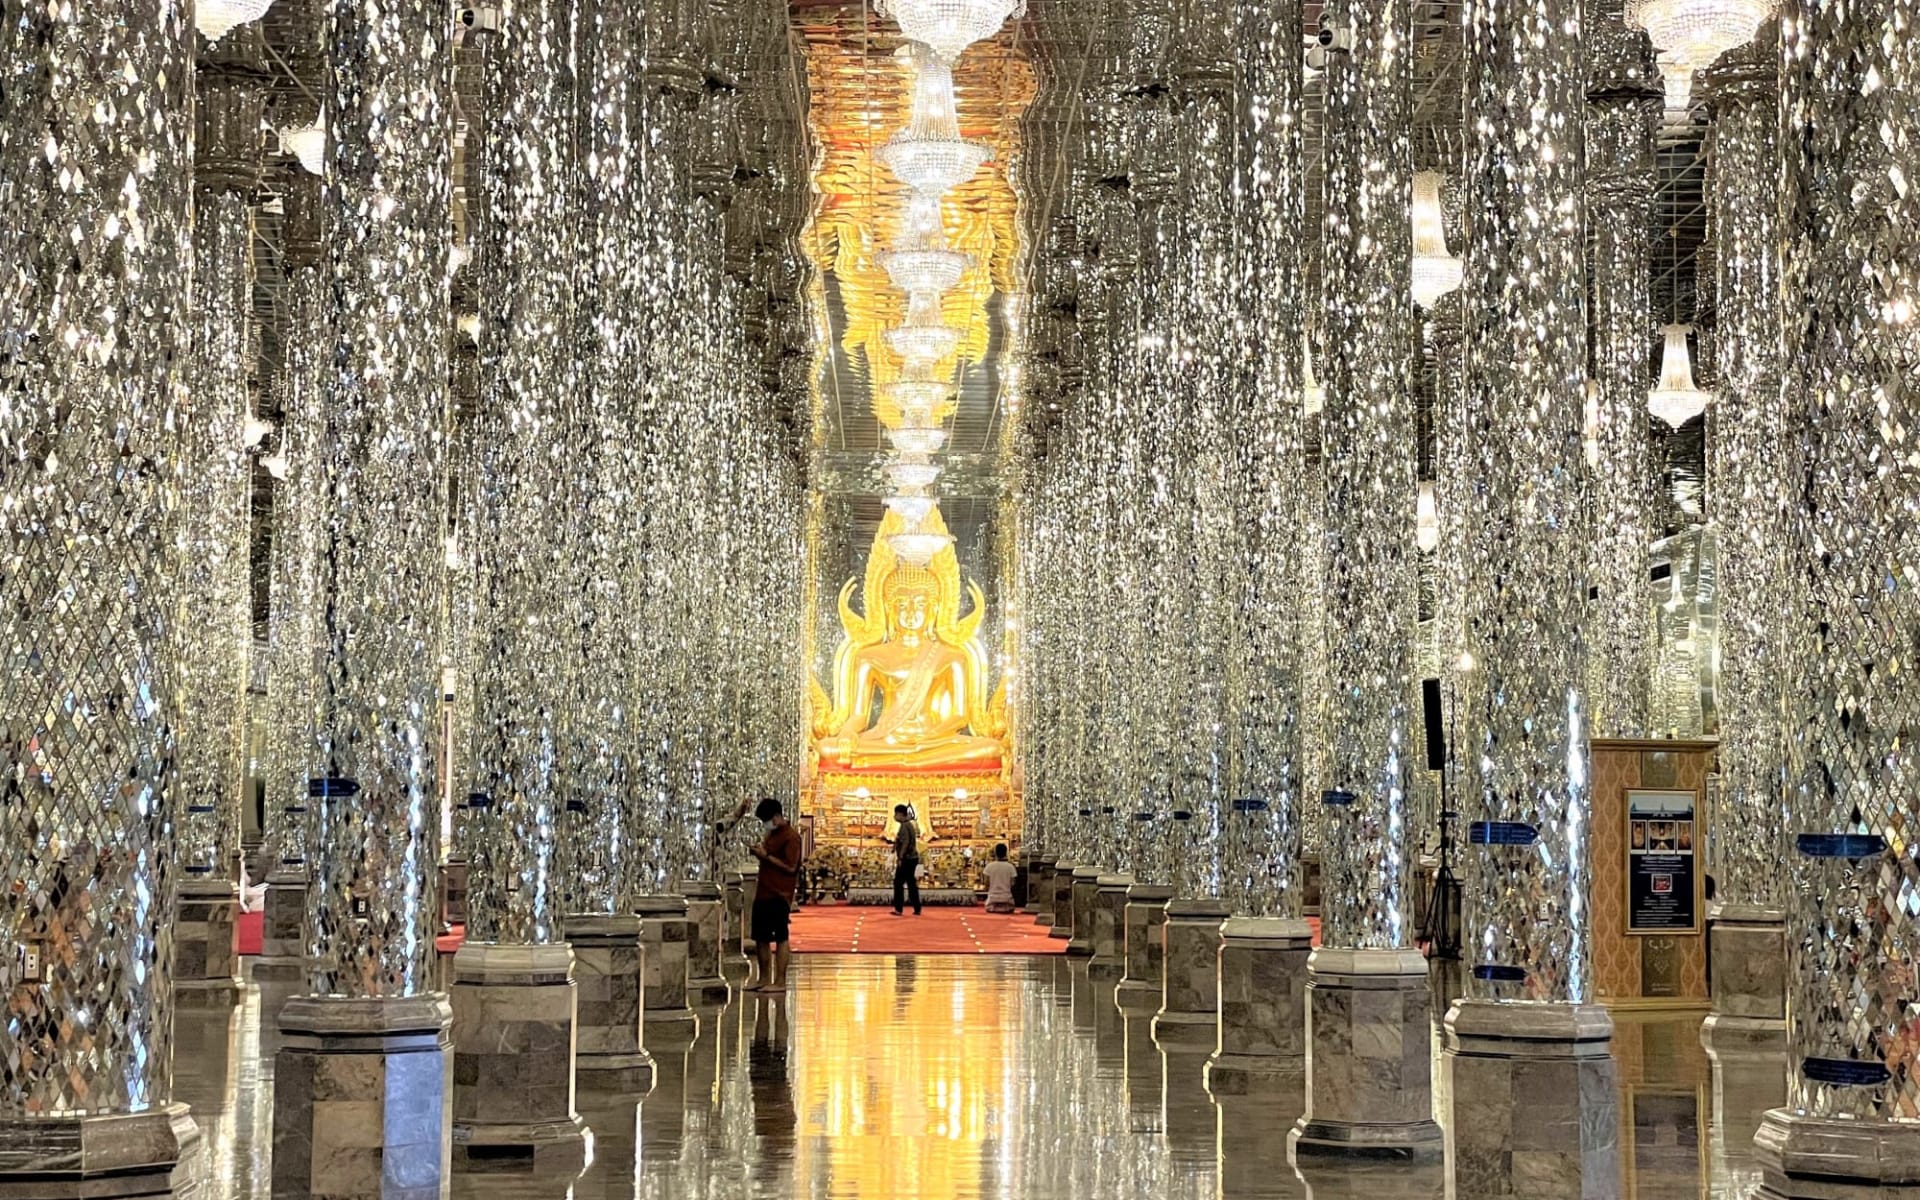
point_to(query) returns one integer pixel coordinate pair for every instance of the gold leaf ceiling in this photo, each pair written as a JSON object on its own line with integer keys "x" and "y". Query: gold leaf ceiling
{"x": 859, "y": 93}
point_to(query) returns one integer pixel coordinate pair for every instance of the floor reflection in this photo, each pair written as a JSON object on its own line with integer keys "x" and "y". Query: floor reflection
{"x": 953, "y": 1078}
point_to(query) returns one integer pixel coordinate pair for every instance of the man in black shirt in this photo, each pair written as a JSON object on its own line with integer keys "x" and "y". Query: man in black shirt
{"x": 906, "y": 849}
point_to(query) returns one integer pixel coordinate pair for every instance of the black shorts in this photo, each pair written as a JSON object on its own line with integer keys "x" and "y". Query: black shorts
{"x": 770, "y": 915}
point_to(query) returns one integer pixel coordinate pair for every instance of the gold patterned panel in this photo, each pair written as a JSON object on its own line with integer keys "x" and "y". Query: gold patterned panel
{"x": 1618, "y": 959}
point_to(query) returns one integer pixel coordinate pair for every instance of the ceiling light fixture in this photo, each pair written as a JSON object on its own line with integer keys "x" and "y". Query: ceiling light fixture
{"x": 1674, "y": 399}
{"x": 1435, "y": 272}
{"x": 1690, "y": 34}
{"x": 948, "y": 27}
{"x": 929, "y": 155}
{"x": 214, "y": 18}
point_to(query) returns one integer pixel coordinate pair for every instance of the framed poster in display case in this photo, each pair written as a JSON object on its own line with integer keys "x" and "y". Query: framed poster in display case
{"x": 1663, "y": 877}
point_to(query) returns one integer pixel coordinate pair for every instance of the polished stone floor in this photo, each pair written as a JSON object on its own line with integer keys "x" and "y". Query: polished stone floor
{"x": 949, "y": 1077}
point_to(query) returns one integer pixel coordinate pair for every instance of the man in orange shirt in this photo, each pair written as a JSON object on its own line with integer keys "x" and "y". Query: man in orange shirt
{"x": 779, "y": 855}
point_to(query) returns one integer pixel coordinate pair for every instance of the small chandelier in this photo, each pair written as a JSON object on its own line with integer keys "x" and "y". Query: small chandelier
{"x": 307, "y": 144}
{"x": 934, "y": 271}
{"x": 214, "y": 18}
{"x": 923, "y": 339}
{"x": 1435, "y": 272}
{"x": 929, "y": 155}
{"x": 1313, "y": 397}
{"x": 1674, "y": 399}
{"x": 917, "y": 395}
{"x": 917, "y": 439}
{"x": 948, "y": 27}
{"x": 1690, "y": 34}
{"x": 917, "y": 549}
{"x": 911, "y": 472}
{"x": 912, "y": 509}
{"x": 1426, "y": 519}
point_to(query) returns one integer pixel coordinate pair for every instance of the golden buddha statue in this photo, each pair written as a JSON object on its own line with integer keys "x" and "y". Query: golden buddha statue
{"x": 915, "y": 655}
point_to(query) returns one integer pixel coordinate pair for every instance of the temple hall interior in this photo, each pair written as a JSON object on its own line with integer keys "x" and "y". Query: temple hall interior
{"x": 959, "y": 599}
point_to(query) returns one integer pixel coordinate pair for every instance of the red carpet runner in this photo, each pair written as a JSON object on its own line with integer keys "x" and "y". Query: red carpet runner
{"x": 850, "y": 929}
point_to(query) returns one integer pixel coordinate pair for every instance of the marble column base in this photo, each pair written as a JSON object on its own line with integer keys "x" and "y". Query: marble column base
{"x": 514, "y": 1012}
{"x": 707, "y": 921}
{"x": 110, "y": 1156}
{"x": 1031, "y": 866}
{"x": 1109, "y": 961}
{"x": 1263, "y": 1006}
{"x": 1535, "y": 1114}
{"x": 1749, "y": 949}
{"x": 1040, "y": 891}
{"x": 1820, "y": 1158}
{"x": 1062, "y": 924}
{"x": 283, "y": 930}
{"x": 666, "y": 930}
{"x": 363, "y": 1099}
{"x": 1748, "y": 1063}
{"x": 609, "y": 975}
{"x": 1142, "y": 979}
{"x": 1369, "y": 1040}
{"x": 1189, "y": 1016}
{"x": 749, "y": 890}
{"x": 734, "y": 963}
{"x": 1085, "y": 894}
{"x": 206, "y": 957}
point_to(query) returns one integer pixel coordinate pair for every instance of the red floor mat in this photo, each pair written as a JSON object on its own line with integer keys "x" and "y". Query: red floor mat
{"x": 860, "y": 929}
{"x": 250, "y": 928}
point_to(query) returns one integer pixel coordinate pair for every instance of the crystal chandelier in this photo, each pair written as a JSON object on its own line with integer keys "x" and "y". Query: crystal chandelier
{"x": 213, "y": 18}
{"x": 923, "y": 339}
{"x": 912, "y": 471}
{"x": 948, "y": 27}
{"x": 912, "y": 509}
{"x": 1313, "y": 397}
{"x": 1435, "y": 272}
{"x": 1674, "y": 399}
{"x": 917, "y": 549}
{"x": 930, "y": 271}
{"x": 1426, "y": 519}
{"x": 1690, "y": 34}
{"x": 308, "y": 144}
{"x": 917, "y": 395}
{"x": 917, "y": 439}
{"x": 929, "y": 155}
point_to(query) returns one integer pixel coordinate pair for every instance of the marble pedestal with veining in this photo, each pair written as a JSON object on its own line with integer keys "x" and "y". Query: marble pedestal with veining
{"x": 1040, "y": 890}
{"x": 734, "y": 963}
{"x": 206, "y": 954}
{"x": 107, "y": 1156}
{"x": 1085, "y": 895}
{"x": 1031, "y": 905}
{"x": 514, "y": 1011}
{"x": 1747, "y": 1060}
{"x": 1189, "y": 1016}
{"x": 1534, "y": 1115}
{"x": 1818, "y": 1158}
{"x": 1748, "y": 945}
{"x": 609, "y": 974}
{"x": 1262, "y": 1043}
{"x": 707, "y": 922}
{"x": 283, "y": 929}
{"x": 1369, "y": 1038}
{"x": 666, "y": 931}
{"x": 1062, "y": 910}
{"x": 749, "y": 890}
{"x": 363, "y": 1099}
{"x": 1109, "y": 936}
{"x": 1142, "y": 980}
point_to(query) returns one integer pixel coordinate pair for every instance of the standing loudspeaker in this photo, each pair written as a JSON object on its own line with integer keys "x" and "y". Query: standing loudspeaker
{"x": 1436, "y": 743}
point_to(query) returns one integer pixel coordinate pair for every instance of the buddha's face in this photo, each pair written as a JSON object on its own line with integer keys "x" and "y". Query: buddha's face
{"x": 911, "y": 609}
